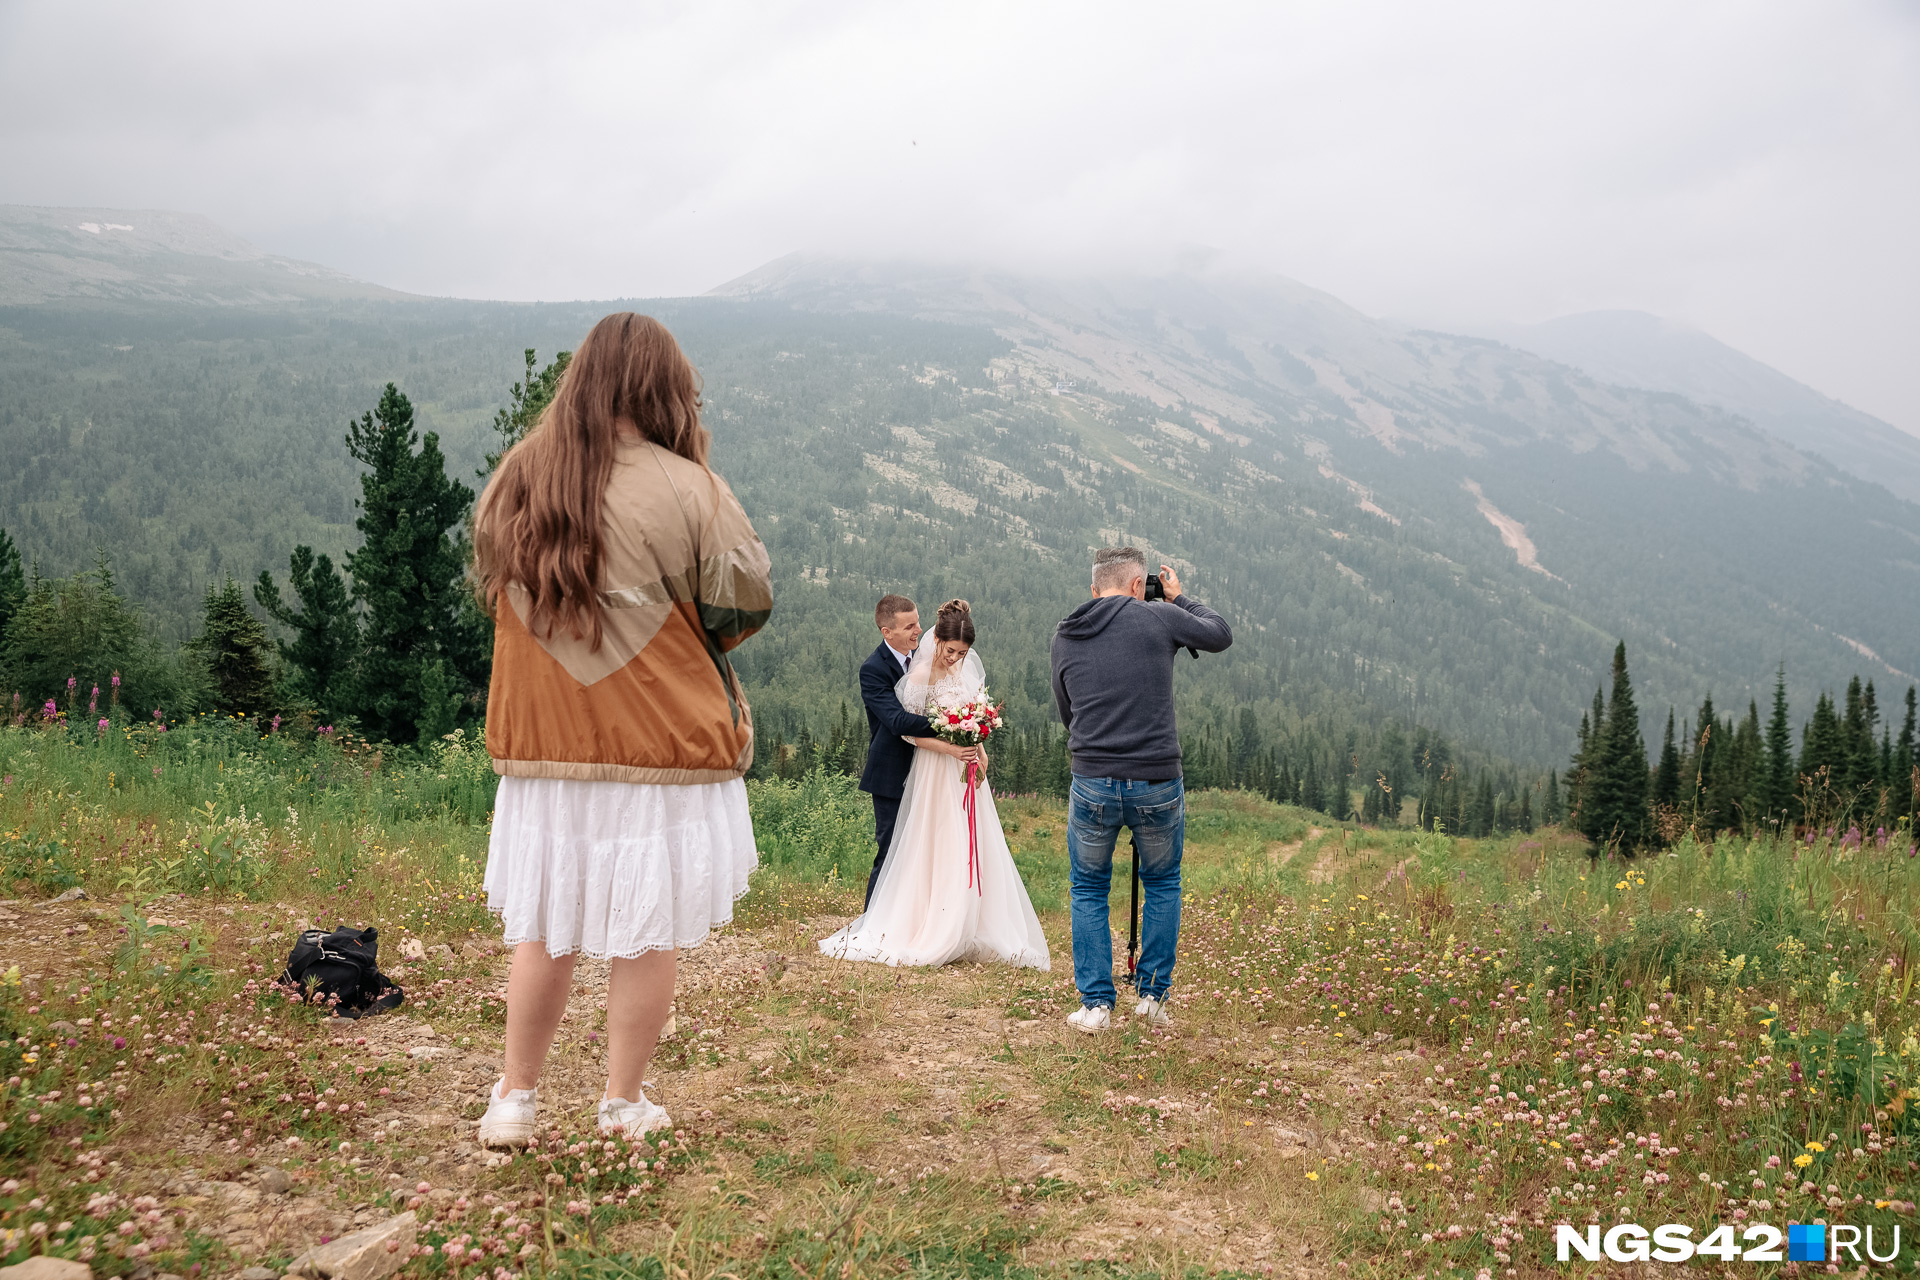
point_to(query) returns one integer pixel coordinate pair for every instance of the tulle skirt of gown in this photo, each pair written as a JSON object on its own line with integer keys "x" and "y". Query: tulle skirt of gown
{"x": 923, "y": 911}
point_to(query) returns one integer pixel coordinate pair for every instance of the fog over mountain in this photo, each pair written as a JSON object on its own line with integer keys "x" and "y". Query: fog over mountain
{"x": 1635, "y": 349}
{"x": 1405, "y": 526}
{"x": 153, "y": 255}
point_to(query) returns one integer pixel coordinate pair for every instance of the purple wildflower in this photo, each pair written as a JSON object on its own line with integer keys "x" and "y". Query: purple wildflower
{"x": 102, "y": 726}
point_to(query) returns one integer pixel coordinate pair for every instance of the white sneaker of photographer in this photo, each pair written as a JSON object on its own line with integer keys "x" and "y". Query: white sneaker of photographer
{"x": 1092, "y": 1019}
{"x": 1154, "y": 1011}
{"x": 635, "y": 1118}
{"x": 509, "y": 1118}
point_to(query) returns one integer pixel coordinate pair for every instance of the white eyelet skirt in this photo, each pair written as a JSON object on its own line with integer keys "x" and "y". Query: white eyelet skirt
{"x": 614, "y": 869}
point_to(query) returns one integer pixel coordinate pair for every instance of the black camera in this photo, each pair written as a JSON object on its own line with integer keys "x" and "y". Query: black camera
{"x": 1154, "y": 590}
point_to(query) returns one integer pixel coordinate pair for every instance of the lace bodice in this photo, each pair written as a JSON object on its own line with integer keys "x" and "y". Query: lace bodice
{"x": 962, "y": 684}
{"x": 950, "y": 692}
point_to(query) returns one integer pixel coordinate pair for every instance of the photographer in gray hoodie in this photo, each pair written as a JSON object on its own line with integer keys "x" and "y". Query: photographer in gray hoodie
{"x": 1113, "y": 683}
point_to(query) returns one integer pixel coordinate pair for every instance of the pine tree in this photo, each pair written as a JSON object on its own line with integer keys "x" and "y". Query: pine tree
{"x": 326, "y": 635}
{"x": 1614, "y": 799}
{"x": 1550, "y": 808}
{"x": 1903, "y": 781}
{"x": 1480, "y": 817}
{"x": 81, "y": 628}
{"x": 525, "y": 403}
{"x": 1311, "y": 796}
{"x": 1746, "y": 763}
{"x": 1525, "y": 817}
{"x": 1858, "y": 751}
{"x": 13, "y": 588}
{"x": 1666, "y": 779}
{"x": 1703, "y": 761}
{"x": 1584, "y": 757}
{"x": 1246, "y": 747}
{"x": 1777, "y": 799}
{"x": 440, "y": 701}
{"x": 1821, "y": 757}
{"x": 237, "y": 652}
{"x": 408, "y": 574}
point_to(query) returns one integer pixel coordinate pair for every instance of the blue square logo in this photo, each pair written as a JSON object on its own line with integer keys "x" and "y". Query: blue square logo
{"x": 1806, "y": 1243}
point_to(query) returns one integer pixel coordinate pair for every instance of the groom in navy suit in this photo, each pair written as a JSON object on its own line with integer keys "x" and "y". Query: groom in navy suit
{"x": 889, "y": 757}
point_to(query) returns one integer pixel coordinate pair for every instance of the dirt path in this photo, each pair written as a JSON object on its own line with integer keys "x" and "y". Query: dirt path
{"x": 1107, "y": 1147}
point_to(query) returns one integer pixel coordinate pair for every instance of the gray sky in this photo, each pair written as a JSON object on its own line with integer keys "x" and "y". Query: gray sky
{"x": 1751, "y": 168}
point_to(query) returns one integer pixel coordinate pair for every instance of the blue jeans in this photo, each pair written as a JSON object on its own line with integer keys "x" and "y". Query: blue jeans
{"x": 1156, "y": 813}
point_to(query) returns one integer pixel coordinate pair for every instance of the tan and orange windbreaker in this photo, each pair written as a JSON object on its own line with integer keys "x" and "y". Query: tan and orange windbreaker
{"x": 684, "y": 579}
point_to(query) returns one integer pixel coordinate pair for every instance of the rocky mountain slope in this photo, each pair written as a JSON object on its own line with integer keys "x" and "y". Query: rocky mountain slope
{"x": 1404, "y": 526}
{"x": 1634, "y": 349}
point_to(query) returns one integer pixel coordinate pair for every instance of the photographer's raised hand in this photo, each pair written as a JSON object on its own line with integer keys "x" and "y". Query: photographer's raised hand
{"x": 1169, "y": 582}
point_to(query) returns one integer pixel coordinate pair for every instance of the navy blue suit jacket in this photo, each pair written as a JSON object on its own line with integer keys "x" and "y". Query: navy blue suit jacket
{"x": 888, "y": 757}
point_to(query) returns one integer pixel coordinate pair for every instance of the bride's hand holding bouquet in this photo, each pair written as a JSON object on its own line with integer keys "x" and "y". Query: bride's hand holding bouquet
{"x": 967, "y": 726}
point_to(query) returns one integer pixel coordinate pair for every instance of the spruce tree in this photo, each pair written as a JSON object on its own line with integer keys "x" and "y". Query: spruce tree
{"x": 1525, "y": 817}
{"x": 326, "y": 635}
{"x": 1903, "y": 780}
{"x": 1550, "y": 808}
{"x": 1246, "y": 747}
{"x": 13, "y": 589}
{"x": 80, "y": 628}
{"x": 1311, "y": 796}
{"x": 1584, "y": 757}
{"x": 1859, "y": 753}
{"x": 1614, "y": 799}
{"x": 1777, "y": 803}
{"x": 1703, "y": 761}
{"x": 1666, "y": 779}
{"x": 408, "y": 575}
{"x": 1745, "y": 765}
{"x": 1820, "y": 746}
{"x": 1478, "y": 820}
{"x": 237, "y": 651}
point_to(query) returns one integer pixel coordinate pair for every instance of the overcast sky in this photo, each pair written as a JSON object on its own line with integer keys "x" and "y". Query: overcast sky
{"x": 1750, "y": 168}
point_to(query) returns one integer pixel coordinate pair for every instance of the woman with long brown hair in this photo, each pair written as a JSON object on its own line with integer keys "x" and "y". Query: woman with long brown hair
{"x": 619, "y": 571}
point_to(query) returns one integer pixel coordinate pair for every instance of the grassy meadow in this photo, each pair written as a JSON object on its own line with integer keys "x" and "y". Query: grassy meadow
{"x": 1394, "y": 1053}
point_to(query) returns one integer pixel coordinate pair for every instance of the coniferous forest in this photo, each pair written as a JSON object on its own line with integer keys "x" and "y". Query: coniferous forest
{"x": 245, "y": 512}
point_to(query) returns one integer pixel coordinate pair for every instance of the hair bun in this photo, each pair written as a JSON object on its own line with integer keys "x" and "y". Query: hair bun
{"x": 954, "y": 606}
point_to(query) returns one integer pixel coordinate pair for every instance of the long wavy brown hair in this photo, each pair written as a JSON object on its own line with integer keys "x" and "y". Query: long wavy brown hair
{"x": 538, "y": 523}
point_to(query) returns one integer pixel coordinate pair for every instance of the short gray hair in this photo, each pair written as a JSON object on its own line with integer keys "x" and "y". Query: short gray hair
{"x": 1117, "y": 567}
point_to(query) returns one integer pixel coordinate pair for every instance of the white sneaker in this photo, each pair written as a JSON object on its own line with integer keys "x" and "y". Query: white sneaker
{"x": 634, "y": 1118}
{"x": 1154, "y": 1011}
{"x": 509, "y": 1118}
{"x": 1092, "y": 1019}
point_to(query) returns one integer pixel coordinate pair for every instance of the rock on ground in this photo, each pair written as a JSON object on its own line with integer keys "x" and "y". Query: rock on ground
{"x": 45, "y": 1268}
{"x": 365, "y": 1255}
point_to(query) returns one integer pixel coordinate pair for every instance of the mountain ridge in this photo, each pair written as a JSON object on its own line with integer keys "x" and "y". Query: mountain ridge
{"x": 51, "y": 253}
{"x": 1636, "y": 349}
{"x": 1404, "y": 526}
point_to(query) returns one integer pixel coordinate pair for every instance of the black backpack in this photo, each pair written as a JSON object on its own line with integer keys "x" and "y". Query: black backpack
{"x": 339, "y": 969}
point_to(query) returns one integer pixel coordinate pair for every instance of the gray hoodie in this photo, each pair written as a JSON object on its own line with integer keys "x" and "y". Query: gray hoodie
{"x": 1113, "y": 681}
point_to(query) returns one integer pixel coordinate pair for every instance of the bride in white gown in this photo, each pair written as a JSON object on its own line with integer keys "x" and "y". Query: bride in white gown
{"x": 924, "y": 911}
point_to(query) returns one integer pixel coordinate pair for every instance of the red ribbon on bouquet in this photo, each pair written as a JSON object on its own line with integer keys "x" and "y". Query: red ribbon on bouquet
{"x": 975, "y": 880}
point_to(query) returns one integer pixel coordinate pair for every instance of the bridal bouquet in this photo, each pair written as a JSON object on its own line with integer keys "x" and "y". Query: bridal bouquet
{"x": 967, "y": 725}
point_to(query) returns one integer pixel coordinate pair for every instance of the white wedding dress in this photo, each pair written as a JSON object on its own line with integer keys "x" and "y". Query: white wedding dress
{"x": 923, "y": 911}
